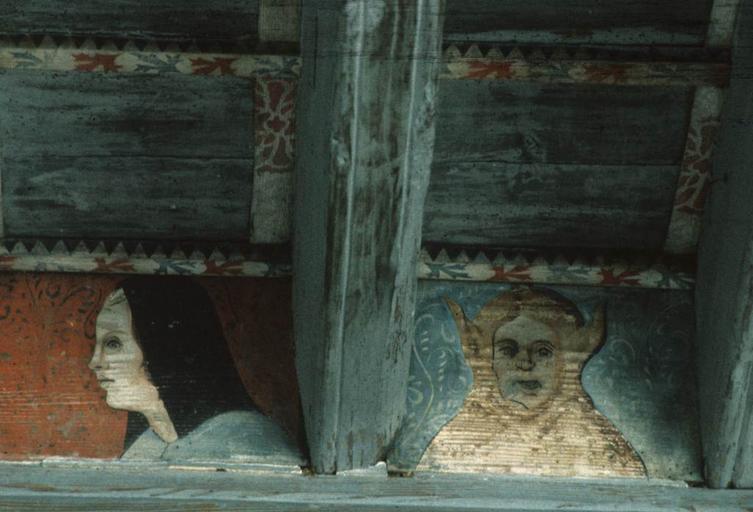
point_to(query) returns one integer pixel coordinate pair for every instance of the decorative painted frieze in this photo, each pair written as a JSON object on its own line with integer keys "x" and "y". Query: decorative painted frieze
{"x": 88, "y": 55}
{"x": 568, "y": 66}
{"x": 523, "y": 269}
{"x": 218, "y": 262}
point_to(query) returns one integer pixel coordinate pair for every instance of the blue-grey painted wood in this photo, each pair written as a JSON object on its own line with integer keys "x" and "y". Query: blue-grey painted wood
{"x": 365, "y": 132}
{"x": 33, "y": 488}
{"x": 725, "y": 283}
{"x": 118, "y": 156}
{"x": 117, "y": 197}
{"x": 497, "y": 121}
{"x": 579, "y": 21}
{"x": 183, "y": 20}
{"x": 534, "y": 205}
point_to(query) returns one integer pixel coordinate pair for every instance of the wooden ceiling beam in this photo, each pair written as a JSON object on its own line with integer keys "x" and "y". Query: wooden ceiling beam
{"x": 365, "y": 144}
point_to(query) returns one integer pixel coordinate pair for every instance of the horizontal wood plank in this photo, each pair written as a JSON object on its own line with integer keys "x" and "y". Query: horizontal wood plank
{"x": 93, "y": 114}
{"x": 119, "y": 156}
{"x": 535, "y": 123}
{"x": 579, "y": 21}
{"x": 69, "y": 487}
{"x": 130, "y": 197}
{"x": 626, "y": 207}
{"x": 222, "y": 20}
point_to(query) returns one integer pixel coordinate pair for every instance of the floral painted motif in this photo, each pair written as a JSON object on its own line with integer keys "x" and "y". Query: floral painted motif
{"x": 694, "y": 181}
{"x": 274, "y": 114}
{"x": 147, "y": 62}
{"x": 559, "y": 271}
{"x": 214, "y": 66}
{"x": 81, "y": 260}
{"x": 473, "y": 64}
{"x": 96, "y": 62}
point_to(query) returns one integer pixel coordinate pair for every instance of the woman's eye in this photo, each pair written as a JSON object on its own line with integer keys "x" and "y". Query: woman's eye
{"x": 113, "y": 344}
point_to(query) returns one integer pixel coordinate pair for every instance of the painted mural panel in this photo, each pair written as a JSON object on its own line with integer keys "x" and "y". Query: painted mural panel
{"x": 148, "y": 368}
{"x": 556, "y": 381}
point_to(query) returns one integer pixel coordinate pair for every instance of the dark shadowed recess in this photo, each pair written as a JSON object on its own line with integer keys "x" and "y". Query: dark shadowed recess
{"x": 682, "y": 22}
{"x": 220, "y": 22}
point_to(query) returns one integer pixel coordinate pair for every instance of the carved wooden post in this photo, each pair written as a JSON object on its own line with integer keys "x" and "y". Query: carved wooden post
{"x": 725, "y": 283}
{"x": 365, "y": 132}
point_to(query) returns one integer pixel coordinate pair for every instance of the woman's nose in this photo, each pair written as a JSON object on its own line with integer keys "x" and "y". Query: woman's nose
{"x": 96, "y": 361}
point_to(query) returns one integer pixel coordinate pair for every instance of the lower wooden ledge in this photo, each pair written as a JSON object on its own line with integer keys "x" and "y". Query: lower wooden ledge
{"x": 74, "y": 486}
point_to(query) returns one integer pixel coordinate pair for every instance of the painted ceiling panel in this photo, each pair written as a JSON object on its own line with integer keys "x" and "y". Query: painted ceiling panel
{"x": 551, "y": 124}
{"x": 556, "y": 166}
{"x": 96, "y": 155}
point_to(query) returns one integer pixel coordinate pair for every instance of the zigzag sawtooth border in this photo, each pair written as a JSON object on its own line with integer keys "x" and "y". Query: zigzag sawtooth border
{"x": 146, "y": 258}
{"x": 560, "y": 65}
{"x": 532, "y": 268}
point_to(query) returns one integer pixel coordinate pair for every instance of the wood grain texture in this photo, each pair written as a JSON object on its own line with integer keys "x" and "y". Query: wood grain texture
{"x": 50, "y": 402}
{"x": 626, "y": 207}
{"x": 365, "y": 132}
{"x": 587, "y": 124}
{"x": 160, "y": 489}
{"x": 124, "y": 156}
{"x": 158, "y": 198}
{"x": 553, "y": 430}
{"x": 579, "y": 21}
{"x": 187, "y": 20}
{"x": 725, "y": 284}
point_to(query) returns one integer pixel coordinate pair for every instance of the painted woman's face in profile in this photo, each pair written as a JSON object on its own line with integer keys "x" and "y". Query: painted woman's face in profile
{"x": 526, "y": 361}
{"x": 118, "y": 360}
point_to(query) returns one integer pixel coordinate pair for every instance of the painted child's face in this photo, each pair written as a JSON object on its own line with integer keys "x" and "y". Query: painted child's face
{"x": 526, "y": 361}
{"x": 118, "y": 360}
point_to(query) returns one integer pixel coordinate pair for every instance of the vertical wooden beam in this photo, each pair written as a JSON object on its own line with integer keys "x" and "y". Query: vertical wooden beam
{"x": 366, "y": 134}
{"x": 725, "y": 283}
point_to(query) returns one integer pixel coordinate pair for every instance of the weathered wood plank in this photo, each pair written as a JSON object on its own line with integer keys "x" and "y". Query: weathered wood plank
{"x": 534, "y": 123}
{"x": 365, "y": 132}
{"x": 187, "y": 20}
{"x": 160, "y": 489}
{"x": 128, "y": 197}
{"x": 579, "y": 21}
{"x": 121, "y": 156}
{"x": 725, "y": 283}
{"x": 513, "y": 205}
{"x": 92, "y": 114}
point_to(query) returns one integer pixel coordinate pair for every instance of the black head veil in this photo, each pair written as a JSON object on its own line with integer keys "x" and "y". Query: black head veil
{"x": 185, "y": 353}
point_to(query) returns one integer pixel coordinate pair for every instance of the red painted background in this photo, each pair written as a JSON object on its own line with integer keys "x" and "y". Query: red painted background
{"x": 50, "y": 402}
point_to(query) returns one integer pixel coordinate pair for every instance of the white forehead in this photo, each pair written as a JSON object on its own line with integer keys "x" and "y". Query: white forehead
{"x": 524, "y": 329}
{"x": 115, "y": 314}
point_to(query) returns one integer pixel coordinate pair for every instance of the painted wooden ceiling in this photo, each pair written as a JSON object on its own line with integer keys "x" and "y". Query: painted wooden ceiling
{"x": 578, "y": 124}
